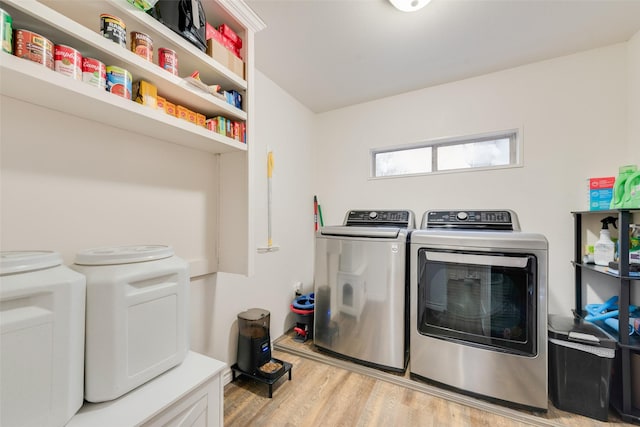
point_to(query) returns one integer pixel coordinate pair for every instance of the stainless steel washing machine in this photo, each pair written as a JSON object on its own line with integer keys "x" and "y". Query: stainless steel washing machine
{"x": 479, "y": 306}
{"x": 361, "y": 288}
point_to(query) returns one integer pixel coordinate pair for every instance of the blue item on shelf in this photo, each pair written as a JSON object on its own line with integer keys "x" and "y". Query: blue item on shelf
{"x": 615, "y": 324}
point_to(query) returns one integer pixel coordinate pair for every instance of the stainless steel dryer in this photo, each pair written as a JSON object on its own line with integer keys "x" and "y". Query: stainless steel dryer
{"x": 479, "y": 306}
{"x": 361, "y": 288}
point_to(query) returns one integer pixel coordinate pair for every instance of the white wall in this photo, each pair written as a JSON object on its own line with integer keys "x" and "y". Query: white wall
{"x": 283, "y": 125}
{"x": 69, "y": 184}
{"x": 633, "y": 114}
{"x": 572, "y": 112}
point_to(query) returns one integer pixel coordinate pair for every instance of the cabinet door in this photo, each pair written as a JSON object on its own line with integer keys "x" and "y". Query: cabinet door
{"x": 201, "y": 408}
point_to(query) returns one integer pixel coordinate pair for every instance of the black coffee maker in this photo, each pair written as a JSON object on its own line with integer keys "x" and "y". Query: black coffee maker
{"x": 254, "y": 342}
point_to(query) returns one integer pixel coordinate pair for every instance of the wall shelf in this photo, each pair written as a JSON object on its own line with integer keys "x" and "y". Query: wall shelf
{"x": 31, "y": 82}
{"x": 628, "y": 346}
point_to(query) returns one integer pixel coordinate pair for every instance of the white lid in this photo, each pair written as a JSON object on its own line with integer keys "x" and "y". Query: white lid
{"x": 123, "y": 254}
{"x": 22, "y": 261}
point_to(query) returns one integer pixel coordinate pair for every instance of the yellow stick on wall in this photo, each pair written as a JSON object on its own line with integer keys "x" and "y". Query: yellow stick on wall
{"x": 270, "y": 163}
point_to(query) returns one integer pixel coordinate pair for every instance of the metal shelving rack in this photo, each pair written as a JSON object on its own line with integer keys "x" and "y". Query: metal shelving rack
{"x": 627, "y": 345}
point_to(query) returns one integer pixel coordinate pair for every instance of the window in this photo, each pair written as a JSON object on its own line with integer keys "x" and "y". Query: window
{"x": 495, "y": 150}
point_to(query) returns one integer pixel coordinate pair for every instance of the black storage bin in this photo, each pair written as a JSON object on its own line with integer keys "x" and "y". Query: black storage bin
{"x": 580, "y": 360}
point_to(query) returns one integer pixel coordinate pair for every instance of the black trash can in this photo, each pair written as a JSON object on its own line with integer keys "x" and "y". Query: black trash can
{"x": 581, "y": 356}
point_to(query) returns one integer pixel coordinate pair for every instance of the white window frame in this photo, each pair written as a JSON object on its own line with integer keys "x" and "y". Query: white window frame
{"x": 515, "y": 151}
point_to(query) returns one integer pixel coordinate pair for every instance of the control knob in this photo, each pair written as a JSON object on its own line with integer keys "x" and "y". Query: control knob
{"x": 373, "y": 215}
{"x": 462, "y": 216}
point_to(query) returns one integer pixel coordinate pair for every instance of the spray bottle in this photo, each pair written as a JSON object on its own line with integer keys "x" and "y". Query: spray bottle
{"x": 604, "y": 249}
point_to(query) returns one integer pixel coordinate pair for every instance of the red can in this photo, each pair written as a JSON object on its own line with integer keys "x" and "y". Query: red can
{"x": 34, "y": 47}
{"x": 168, "y": 60}
{"x": 68, "y": 61}
{"x": 94, "y": 72}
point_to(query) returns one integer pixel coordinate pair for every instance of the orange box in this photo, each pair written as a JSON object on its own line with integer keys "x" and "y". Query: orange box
{"x": 182, "y": 112}
{"x": 160, "y": 102}
{"x": 191, "y": 116}
{"x": 200, "y": 119}
{"x": 170, "y": 108}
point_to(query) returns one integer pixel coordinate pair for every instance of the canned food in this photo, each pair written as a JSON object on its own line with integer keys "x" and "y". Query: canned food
{"x": 142, "y": 45}
{"x": 119, "y": 81}
{"x": 113, "y": 28}
{"x": 168, "y": 60}
{"x": 34, "y": 47}
{"x": 68, "y": 61}
{"x": 6, "y": 31}
{"x": 94, "y": 72}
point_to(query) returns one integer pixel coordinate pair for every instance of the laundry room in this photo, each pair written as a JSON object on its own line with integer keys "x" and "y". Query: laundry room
{"x": 239, "y": 227}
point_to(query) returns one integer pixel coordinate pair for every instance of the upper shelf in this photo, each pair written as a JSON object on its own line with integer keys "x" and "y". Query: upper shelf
{"x": 87, "y": 14}
{"x": 29, "y": 81}
{"x": 34, "y": 83}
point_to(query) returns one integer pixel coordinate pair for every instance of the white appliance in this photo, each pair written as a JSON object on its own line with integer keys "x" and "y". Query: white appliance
{"x": 42, "y": 308}
{"x": 137, "y": 316}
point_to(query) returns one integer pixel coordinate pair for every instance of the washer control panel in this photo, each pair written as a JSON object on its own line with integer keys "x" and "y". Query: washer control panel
{"x": 381, "y": 218}
{"x": 471, "y": 219}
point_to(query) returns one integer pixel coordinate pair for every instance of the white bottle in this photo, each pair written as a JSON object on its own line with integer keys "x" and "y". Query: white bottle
{"x": 604, "y": 249}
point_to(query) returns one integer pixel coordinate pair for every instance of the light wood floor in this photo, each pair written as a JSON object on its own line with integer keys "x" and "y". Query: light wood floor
{"x": 326, "y": 391}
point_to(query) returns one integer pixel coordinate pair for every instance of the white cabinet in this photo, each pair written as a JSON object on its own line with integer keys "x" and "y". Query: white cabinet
{"x": 190, "y": 394}
{"x": 76, "y": 23}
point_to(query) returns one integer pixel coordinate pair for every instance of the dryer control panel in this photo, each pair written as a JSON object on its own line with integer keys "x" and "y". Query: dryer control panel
{"x": 382, "y": 218}
{"x": 472, "y": 219}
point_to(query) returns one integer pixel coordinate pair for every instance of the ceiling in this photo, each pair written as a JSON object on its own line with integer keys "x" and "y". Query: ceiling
{"x": 330, "y": 54}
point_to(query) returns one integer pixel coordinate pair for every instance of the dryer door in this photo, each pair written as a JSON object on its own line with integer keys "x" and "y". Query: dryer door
{"x": 481, "y": 298}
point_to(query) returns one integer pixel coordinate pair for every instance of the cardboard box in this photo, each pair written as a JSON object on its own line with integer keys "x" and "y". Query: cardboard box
{"x": 191, "y": 117}
{"x": 160, "y": 102}
{"x": 212, "y": 33}
{"x": 201, "y": 119}
{"x": 227, "y": 32}
{"x": 600, "y": 200}
{"x": 170, "y": 108}
{"x": 224, "y": 56}
{"x": 182, "y": 112}
{"x": 604, "y": 182}
{"x": 212, "y": 124}
{"x": 145, "y": 93}
{"x": 600, "y": 193}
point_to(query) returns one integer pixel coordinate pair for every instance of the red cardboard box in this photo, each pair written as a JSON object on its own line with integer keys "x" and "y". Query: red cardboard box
{"x": 212, "y": 33}
{"x": 604, "y": 182}
{"x": 601, "y": 192}
{"x": 226, "y": 31}
{"x": 212, "y": 124}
